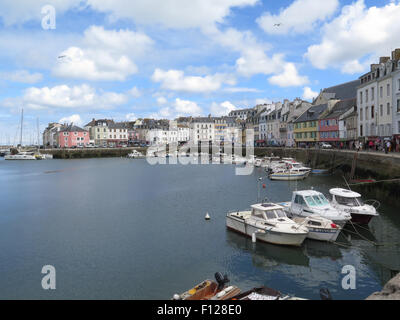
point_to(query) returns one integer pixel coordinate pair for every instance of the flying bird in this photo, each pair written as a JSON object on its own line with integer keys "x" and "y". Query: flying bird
{"x": 277, "y": 24}
{"x": 60, "y": 57}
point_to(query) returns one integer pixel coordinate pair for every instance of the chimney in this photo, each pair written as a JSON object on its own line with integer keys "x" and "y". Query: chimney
{"x": 396, "y": 54}
{"x": 332, "y": 103}
{"x": 384, "y": 59}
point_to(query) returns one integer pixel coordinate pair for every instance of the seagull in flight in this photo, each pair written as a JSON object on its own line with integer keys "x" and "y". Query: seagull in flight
{"x": 60, "y": 57}
{"x": 277, "y": 24}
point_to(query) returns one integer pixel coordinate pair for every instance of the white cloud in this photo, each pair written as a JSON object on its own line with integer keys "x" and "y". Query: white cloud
{"x": 22, "y": 76}
{"x": 221, "y": 109}
{"x": 300, "y": 17}
{"x": 289, "y": 77}
{"x": 177, "y": 81}
{"x": 171, "y": 13}
{"x": 161, "y": 100}
{"x": 107, "y": 55}
{"x": 308, "y": 94}
{"x": 358, "y": 35}
{"x": 75, "y": 119}
{"x": 254, "y": 59}
{"x": 178, "y": 108}
{"x": 77, "y": 97}
{"x": 135, "y": 92}
{"x": 185, "y": 107}
{"x": 130, "y": 117}
{"x": 241, "y": 89}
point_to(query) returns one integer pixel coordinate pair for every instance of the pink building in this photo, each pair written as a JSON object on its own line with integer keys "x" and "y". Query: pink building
{"x": 72, "y": 137}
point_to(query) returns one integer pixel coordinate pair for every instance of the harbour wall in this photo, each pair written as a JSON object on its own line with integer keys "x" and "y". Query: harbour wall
{"x": 91, "y": 153}
{"x": 384, "y": 168}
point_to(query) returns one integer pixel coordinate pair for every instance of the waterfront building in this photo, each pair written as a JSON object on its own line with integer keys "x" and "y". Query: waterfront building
{"x": 328, "y": 123}
{"x": 118, "y": 134}
{"x": 348, "y": 127}
{"x": 297, "y": 108}
{"x": 283, "y": 123}
{"x": 71, "y": 136}
{"x": 50, "y": 135}
{"x": 243, "y": 114}
{"x": 99, "y": 131}
{"x": 306, "y": 126}
{"x": 183, "y": 133}
{"x": 202, "y": 130}
{"x": 263, "y": 127}
{"x": 396, "y": 96}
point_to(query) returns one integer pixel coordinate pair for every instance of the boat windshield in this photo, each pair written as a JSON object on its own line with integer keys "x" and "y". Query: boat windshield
{"x": 280, "y": 213}
{"x": 270, "y": 214}
{"x": 351, "y": 202}
{"x": 317, "y": 200}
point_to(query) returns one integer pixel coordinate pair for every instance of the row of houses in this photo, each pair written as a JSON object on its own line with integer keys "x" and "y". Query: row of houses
{"x": 366, "y": 109}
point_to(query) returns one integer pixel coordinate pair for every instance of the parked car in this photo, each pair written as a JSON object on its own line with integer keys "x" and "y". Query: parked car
{"x": 325, "y": 145}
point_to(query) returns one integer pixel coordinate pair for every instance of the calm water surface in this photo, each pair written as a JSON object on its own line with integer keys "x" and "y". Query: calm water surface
{"x": 123, "y": 229}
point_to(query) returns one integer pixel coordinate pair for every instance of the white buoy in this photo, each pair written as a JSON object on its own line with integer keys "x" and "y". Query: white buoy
{"x": 207, "y": 216}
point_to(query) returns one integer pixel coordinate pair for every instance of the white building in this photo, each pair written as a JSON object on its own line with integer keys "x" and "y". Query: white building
{"x": 202, "y": 130}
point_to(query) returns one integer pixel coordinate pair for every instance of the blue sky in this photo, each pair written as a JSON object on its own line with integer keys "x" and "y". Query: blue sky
{"x": 166, "y": 58}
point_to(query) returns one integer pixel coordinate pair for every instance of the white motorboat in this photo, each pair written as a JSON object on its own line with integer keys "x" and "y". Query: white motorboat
{"x": 298, "y": 166}
{"x": 351, "y": 202}
{"x": 288, "y": 175}
{"x": 135, "y": 155}
{"x": 267, "y": 222}
{"x": 310, "y": 202}
{"x": 21, "y": 156}
{"x": 319, "y": 228}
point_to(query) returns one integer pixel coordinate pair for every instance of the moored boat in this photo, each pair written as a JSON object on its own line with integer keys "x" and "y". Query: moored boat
{"x": 264, "y": 293}
{"x": 267, "y": 222}
{"x": 310, "y": 202}
{"x": 288, "y": 175}
{"x": 210, "y": 290}
{"x": 351, "y": 202}
{"x": 319, "y": 228}
{"x": 21, "y": 156}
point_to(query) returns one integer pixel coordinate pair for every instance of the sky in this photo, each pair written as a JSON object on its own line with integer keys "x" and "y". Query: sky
{"x": 74, "y": 60}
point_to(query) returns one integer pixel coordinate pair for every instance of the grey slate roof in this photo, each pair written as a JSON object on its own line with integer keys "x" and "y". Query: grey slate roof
{"x": 342, "y": 91}
{"x": 312, "y": 113}
{"x": 72, "y": 128}
{"x": 340, "y": 108}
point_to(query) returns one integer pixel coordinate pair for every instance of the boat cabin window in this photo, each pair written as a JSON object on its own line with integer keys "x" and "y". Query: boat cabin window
{"x": 280, "y": 213}
{"x": 270, "y": 214}
{"x": 314, "y": 223}
{"x": 258, "y": 213}
{"x": 352, "y": 202}
{"x": 317, "y": 200}
{"x": 299, "y": 200}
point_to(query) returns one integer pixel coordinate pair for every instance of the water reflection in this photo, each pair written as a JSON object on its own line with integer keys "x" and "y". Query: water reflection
{"x": 265, "y": 255}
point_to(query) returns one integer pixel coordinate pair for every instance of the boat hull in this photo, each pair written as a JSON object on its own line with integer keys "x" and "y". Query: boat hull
{"x": 323, "y": 234}
{"x": 361, "y": 218}
{"x": 273, "y": 237}
{"x": 288, "y": 177}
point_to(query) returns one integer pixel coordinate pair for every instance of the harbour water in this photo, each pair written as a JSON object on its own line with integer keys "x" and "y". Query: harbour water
{"x": 124, "y": 229}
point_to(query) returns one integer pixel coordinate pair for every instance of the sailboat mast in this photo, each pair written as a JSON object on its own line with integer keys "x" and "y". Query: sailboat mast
{"x": 38, "y": 141}
{"x": 22, "y": 124}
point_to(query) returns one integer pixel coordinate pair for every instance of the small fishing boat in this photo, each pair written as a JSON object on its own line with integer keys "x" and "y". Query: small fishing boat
{"x": 21, "y": 156}
{"x": 267, "y": 222}
{"x": 264, "y": 293}
{"x": 351, "y": 202}
{"x": 310, "y": 202}
{"x": 319, "y": 228}
{"x": 210, "y": 290}
{"x": 135, "y": 155}
{"x": 288, "y": 175}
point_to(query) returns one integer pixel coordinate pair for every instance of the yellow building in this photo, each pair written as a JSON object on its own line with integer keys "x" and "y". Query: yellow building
{"x": 306, "y": 126}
